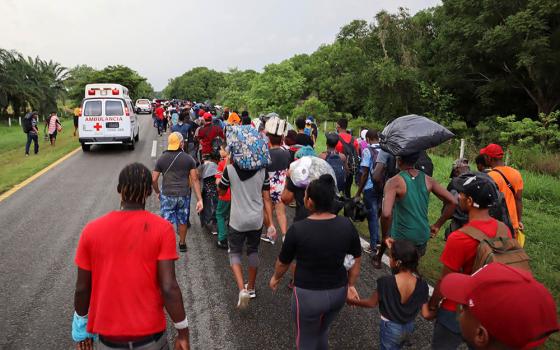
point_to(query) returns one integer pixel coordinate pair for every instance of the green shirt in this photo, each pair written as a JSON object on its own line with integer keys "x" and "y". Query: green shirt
{"x": 410, "y": 213}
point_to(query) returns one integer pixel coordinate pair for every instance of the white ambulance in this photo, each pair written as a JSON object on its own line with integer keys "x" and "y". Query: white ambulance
{"x": 107, "y": 117}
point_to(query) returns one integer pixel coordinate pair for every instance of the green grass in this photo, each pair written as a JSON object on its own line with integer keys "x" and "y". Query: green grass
{"x": 541, "y": 203}
{"x": 16, "y": 167}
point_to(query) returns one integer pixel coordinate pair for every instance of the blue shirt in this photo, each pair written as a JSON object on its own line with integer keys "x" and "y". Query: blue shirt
{"x": 182, "y": 128}
{"x": 368, "y": 162}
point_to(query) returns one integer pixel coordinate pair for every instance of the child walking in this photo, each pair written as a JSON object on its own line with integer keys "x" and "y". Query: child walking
{"x": 222, "y": 211}
{"x": 207, "y": 171}
{"x": 400, "y": 296}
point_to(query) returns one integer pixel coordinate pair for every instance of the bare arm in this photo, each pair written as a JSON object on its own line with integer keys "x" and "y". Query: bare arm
{"x": 193, "y": 178}
{"x": 371, "y": 302}
{"x": 279, "y": 271}
{"x": 389, "y": 198}
{"x": 155, "y": 178}
{"x": 287, "y": 196}
{"x": 172, "y": 297}
{"x": 363, "y": 180}
{"x": 437, "y": 296}
{"x": 449, "y": 201}
{"x": 82, "y": 293}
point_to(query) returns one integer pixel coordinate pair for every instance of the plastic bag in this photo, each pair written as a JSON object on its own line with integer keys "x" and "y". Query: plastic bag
{"x": 307, "y": 169}
{"x": 412, "y": 133}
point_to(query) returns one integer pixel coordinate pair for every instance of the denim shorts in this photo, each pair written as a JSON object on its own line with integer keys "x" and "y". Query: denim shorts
{"x": 175, "y": 209}
{"x": 394, "y": 335}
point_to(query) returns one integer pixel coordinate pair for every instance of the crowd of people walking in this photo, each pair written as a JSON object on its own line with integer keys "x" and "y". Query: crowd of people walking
{"x": 246, "y": 173}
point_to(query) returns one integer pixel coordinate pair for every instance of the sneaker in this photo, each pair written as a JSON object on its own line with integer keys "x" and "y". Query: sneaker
{"x": 252, "y": 294}
{"x": 182, "y": 247}
{"x": 222, "y": 244}
{"x": 265, "y": 238}
{"x": 243, "y": 299}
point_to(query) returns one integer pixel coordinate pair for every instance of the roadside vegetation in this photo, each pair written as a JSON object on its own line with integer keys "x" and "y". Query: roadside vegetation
{"x": 15, "y": 167}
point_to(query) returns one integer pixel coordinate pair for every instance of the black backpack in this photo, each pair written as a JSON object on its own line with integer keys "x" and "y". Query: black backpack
{"x": 334, "y": 160}
{"x": 351, "y": 155}
{"x": 26, "y": 123}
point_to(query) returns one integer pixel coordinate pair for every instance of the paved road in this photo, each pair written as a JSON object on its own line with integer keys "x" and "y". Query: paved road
{"x": 39, "y": 231}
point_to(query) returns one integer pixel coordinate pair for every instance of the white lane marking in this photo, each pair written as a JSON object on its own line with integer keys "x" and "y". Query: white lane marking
{"x": 154, "y": 148}
{"x": 385, "y": 260}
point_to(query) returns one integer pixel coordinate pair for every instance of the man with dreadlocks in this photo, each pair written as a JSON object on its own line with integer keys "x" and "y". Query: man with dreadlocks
{"x": 178, "y": 169}
{"x": 126, "y": 274}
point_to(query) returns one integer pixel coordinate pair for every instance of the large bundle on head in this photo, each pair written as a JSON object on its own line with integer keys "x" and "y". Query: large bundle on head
{"x": 248, "y": 147}
{"x": 307, "y": 169}
{"x": 411, "y": 134}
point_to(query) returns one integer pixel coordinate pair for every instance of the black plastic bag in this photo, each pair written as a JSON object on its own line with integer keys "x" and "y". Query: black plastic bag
{"x": 412, "y": 133}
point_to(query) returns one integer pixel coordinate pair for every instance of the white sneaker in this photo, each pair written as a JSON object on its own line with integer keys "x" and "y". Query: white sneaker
{"x": 252, "y": 293}
{"x": 265, "y": 238}
{"x": 243, "y": 300}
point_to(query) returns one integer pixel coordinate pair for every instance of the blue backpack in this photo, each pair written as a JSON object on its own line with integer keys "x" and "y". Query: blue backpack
{"x": 334, "y": 160}
{"x": 248, "y": 147}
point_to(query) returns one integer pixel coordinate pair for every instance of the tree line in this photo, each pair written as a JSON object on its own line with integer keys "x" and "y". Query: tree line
{"x": 464, "y": 63}
{"x": 28, "y": 83}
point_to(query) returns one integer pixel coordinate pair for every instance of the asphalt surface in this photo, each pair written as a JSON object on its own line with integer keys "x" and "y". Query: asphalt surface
{"x": 39, "y": 231}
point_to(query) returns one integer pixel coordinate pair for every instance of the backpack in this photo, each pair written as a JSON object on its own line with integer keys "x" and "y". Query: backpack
{"x": 26, "y": 123}
{"x": 373, "y": 154}
{"x": 248, "y": 147}
{"x": 334, "y": 160}
{"x": 351, "y": 155}
{"x": 500, "y": 248}
{"x": 424, "y": 164}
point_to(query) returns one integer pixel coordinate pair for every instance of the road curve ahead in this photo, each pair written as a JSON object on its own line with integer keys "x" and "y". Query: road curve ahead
{"x": 39, "y": 230}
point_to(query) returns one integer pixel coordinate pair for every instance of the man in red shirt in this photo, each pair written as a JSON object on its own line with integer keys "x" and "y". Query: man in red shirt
{"x": 207, "y": 133}
{"x": 159, "y": 118}
{"x": 502, "y": 307}
{"x": 344, "y": 145}
{"x": 126, "y": 274}
{"x": 476, "y": 195}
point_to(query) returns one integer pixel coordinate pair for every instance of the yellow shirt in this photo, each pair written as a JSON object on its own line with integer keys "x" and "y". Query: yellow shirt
{"x": 77, "y": 111}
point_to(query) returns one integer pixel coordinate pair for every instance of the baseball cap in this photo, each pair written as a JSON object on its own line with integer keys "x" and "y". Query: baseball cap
{"x": 207, "y": 116}
{"x": 493, "y": 151}
{"x": 479, "y": 188}
{"x": 310, "y": 119}
{"x": 174, "y": 141}
{"x": 201, "y": 112}
{"x": 516, "y": 310}
{"x": 276, "y": 126}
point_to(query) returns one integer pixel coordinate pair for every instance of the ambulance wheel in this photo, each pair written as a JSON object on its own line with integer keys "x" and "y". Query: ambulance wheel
{"x": 137, "y": 137}
{"x": 131, "y": 145}
{"x": 85, "y": 147}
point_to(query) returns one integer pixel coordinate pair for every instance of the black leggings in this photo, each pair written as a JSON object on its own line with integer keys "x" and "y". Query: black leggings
{"x": 313, "y": 312}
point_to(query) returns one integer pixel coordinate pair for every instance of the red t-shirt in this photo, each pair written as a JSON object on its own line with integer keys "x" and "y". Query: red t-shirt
{"x": 206, "y": 134}
{"x": 221, "y": 166}
{"x": 121, "y": 249}
{"x": 159, "y": 113}
{"x": 460, "y": 251}
{"x": 347, "y": 137}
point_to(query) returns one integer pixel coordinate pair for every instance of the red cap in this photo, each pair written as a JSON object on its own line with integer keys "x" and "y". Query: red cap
{"x": 493, "y": 151}
{"x": 207, "y": 116}
{"x": 201, "y": 112}
{"x": 516, "y": 310}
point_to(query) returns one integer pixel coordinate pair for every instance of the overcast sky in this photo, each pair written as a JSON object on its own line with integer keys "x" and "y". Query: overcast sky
{"x": 162, "y": 39}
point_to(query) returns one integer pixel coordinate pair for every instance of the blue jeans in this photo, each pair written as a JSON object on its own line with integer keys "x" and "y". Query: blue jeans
{"x": 35, "y": 139}
{"x": 372, "y": 204}
{"x": 394, "y": 335}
